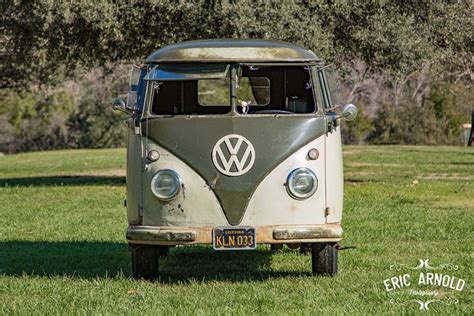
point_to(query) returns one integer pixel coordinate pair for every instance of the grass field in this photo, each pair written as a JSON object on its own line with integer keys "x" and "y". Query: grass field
{"x": 63, "y": 249}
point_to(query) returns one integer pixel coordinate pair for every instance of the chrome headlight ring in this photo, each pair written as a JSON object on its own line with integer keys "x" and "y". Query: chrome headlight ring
{"x": 166, "y": 184}
{"x": 301, "y": 183}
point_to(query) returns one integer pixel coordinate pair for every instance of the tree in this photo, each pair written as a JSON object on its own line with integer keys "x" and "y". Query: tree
{"x": 45, "y": 41}
{"x": 407, "y": 65}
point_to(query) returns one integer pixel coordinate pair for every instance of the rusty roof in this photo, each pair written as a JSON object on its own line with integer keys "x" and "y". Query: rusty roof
{"x": 231, "y": 50}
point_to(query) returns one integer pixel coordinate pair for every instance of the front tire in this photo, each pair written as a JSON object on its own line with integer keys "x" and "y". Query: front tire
{"x": 145, "y": 261}
{"x": 324, "y": 259}
{"x": 276, "y": 247}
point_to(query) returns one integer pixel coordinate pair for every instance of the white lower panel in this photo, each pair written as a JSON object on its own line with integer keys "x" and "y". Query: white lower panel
{"x": 271, "y": 205}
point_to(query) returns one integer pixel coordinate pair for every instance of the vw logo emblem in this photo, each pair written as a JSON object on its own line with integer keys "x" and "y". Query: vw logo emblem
{"x": 233, "y": 155}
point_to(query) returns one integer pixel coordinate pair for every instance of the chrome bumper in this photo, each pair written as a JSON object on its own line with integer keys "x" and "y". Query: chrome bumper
{"x": 167, "y": 235}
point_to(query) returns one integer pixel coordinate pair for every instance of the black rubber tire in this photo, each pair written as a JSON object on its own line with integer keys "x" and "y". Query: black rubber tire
{"x": 276, "y": 247}
{"x": 324, "y": 259}
{"x": 163, "y": 251}
{"x": 145, "y": 261}
{"x": 305, "y": 249}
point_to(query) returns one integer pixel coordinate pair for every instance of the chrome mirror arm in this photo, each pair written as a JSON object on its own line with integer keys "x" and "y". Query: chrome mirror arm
{"x": 119, "y": 104}
{"x": 349, "y": 113}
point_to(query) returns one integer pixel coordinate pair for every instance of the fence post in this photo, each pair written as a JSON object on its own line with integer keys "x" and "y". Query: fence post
{"x": 471, "y": 136}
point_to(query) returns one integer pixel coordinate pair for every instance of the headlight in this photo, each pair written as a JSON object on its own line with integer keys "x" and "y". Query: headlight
{"x": 301, "y": 183}
{"x": 166, "y": 184}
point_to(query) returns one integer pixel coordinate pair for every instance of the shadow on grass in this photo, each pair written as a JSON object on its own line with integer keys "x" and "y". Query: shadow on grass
{"x": 357, "y": 180}
{"x": 108, "y": 260}
{"x": 63, "y": 180}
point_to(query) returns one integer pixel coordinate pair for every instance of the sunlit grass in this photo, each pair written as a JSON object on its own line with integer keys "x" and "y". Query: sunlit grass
{"x": 63, "y": 249}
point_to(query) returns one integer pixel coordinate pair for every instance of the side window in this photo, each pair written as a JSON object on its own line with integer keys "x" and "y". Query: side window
{"x": 141, "y": 89}
{"x": 132, "y": 99}
{"x": 328, "y": 84}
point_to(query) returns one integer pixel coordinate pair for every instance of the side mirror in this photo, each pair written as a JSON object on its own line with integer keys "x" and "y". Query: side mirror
{"x": 119, "y": 104}
{"x": 349, "y": 113}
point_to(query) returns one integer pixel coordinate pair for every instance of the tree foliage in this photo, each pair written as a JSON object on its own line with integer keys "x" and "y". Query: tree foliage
{"x": 45, "y": 41}
{"x": 76, "y": 115}
{"x": 406, "y": 64}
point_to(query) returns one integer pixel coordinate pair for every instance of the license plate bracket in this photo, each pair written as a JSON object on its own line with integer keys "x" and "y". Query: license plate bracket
{"x": 234, "y": 238}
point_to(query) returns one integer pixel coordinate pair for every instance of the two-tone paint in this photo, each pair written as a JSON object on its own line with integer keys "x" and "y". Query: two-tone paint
{"x": 258, "y": 198}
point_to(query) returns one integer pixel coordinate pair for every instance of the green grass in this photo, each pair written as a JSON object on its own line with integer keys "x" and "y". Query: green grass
{"x": 63, "y": 249}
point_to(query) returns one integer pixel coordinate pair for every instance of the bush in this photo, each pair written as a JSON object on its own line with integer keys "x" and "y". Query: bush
{"x": 433, "y": 122}
{"x": 34, "y": 121}
{"x": 77, "y": 115}
{"x": 94, "y": 124}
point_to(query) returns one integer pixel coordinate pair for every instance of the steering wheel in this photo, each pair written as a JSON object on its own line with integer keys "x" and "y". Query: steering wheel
{"x": 272, "y": 112}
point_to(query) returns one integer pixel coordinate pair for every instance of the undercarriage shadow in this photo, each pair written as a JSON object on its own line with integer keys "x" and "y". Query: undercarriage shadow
{"x": 84, "y": 259}
{"x": 202, "y": 263}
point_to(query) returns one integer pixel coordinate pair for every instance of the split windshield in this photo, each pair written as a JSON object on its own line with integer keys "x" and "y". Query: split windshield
{"x": 209, "y": 89}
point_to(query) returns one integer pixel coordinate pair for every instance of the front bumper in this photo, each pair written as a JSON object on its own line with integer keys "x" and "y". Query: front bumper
{"x": 278, "y": 234}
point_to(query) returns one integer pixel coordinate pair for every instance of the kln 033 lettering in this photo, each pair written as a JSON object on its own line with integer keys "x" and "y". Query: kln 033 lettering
{"x": 234, "y": 241}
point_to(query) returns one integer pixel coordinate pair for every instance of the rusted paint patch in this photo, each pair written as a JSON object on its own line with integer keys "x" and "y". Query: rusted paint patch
{"x": 183, "y": 189}
{"x": 214, "y": 181}
{"x": 145, "y": 234}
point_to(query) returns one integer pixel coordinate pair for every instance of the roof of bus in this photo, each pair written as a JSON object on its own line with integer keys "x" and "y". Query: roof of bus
{"x": 232, "y": 50}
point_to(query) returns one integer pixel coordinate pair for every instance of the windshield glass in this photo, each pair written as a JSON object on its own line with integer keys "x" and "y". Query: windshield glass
{"x": 258, "y": 90}
{"x": 214, "y": 92}
{"x": 275, "y": 89}
{"x": 253, "y": 90}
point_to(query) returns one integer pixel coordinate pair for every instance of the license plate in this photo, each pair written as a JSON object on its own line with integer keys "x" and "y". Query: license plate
{"x": 233, "y": 238}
